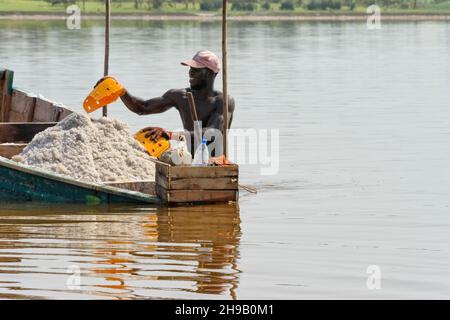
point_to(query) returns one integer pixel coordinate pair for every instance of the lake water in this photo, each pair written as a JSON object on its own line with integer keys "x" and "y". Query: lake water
{"x": 363, "y": 180}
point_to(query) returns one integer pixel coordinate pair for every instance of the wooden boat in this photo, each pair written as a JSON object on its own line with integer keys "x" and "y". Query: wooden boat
{"x": 23, "y": 115}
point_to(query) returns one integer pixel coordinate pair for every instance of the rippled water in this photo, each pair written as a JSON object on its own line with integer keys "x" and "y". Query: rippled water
{"x": 363, "y": 177}
{"x": 119, "y": 252}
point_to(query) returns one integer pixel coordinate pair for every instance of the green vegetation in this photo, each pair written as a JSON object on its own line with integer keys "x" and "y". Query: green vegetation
{"x": 262, "y": 7}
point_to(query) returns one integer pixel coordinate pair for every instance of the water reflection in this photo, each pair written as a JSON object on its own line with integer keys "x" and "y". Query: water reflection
{"x": 121, "y": 252}
{"x": 217, "y": 231}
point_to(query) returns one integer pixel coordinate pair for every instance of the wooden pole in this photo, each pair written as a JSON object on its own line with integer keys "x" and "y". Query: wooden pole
{"x": 225, "y": 75}
{"x": 6, "y": 81}
{"x": 192, "y": 105}
{"x": 107, "y": 27}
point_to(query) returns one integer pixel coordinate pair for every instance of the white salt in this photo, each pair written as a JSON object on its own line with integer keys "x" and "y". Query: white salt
{"x": 102, "y": 150}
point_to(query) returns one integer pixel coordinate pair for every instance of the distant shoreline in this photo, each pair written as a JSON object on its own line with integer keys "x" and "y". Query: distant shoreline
{"x": 215, "y": 17}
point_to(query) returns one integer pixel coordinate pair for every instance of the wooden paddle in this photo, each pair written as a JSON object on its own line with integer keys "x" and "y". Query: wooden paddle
{"x": 192, "y": 105}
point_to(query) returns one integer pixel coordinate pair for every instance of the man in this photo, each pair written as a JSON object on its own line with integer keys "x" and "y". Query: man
{"x": 204, "y": 68}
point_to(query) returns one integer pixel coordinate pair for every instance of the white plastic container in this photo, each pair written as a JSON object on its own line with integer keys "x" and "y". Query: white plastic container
{"x": 201, "y": 156}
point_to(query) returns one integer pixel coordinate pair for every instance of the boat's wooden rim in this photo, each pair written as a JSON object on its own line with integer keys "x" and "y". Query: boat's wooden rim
{"x": 88, "y": 185}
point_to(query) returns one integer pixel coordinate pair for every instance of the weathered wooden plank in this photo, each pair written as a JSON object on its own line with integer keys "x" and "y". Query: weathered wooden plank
{"x": 2, "y": 93}
{"x": 47, "y": 111}
{"x": 162, "y": 168}
{"x": 162, "y": 180}
{"x": 22, "y": 107}
{"x": 161, "y": 193}
{"x": 197, "y": 172}
{"x": 227, "y": 183}
{"x": 64, "y": 113}
{"x": 203, "y": 172}
{"x": 10, "y": 150}
{"x": 21, "y": 132}
{"x": 147, "y": 187}
{"x": 197, "y": 196}
{"x": 6, "y": 81}
{"x": 224, "y": 183}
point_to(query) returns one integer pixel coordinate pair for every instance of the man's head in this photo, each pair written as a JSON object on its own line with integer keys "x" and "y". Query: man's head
{"x": 205, "y": 66}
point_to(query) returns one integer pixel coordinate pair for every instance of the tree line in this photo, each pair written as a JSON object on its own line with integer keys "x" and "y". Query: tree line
{"x": 253, "y": 5}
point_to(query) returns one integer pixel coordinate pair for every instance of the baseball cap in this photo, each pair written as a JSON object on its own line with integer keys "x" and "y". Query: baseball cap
{"x": 204, "y": 59}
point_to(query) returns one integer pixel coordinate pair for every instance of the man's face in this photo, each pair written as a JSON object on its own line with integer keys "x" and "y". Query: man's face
{"x": 197, "y": 78}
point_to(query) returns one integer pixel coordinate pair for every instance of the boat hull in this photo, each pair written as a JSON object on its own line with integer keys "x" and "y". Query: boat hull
{"x": 23, "y": 115}
{"x": 22, "y": 183}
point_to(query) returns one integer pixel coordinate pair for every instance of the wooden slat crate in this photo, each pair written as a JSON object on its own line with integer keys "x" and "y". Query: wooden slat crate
{"x": 187, "y": 184}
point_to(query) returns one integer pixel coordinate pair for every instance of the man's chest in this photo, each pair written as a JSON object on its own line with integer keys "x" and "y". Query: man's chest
{"x": 204, "y": 109}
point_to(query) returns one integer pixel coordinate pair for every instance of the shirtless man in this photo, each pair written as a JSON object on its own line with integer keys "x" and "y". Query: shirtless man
{"x": 204, "y": 67}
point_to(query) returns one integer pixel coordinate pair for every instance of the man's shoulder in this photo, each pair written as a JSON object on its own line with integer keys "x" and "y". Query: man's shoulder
{"x": 219, "y": 95}
{"x": 176, "y": 93}
{"x": 219, "y": 100}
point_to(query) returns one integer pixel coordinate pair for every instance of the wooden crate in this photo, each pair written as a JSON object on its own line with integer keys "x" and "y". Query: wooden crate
{"x": 187, "y": 184}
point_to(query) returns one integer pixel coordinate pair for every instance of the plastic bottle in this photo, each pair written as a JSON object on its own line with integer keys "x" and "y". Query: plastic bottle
{"x": 201, "y": 156}
{"x": 198, "y": 135}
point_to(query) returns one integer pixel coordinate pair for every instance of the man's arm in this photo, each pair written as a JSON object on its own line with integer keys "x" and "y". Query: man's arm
{"x": 216, "y": 120}
{"x": 151, "y": 106}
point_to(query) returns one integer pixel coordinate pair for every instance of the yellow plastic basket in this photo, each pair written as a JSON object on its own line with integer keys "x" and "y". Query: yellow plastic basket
{"x": 155, "y": 149}
{"x": 106, "y": 92}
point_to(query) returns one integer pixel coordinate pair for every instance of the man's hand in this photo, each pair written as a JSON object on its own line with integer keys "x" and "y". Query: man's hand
{"x": 106, "y": 77}
{"x": 155, "y": 133}
{"x": 103, "y": 79}
{"x": 99, "y": 81}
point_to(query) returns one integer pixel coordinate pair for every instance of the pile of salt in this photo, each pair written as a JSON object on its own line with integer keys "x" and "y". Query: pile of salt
{"x": 102, "y": 150}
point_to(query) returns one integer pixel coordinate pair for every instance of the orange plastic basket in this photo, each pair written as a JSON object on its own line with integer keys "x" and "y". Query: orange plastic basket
{"x": 155, "y": 149}
{"x": 106, "y": 92}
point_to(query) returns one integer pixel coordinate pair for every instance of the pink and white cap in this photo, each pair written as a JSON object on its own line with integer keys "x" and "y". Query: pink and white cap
{"x": 204, "y": 59}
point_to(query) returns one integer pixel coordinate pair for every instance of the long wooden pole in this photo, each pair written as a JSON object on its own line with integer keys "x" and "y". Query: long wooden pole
{"x": 192, "y": 106}
{"x": 107, "y": 27}
{"x": 6, "y": 80}
{"x": 225, "y": 80}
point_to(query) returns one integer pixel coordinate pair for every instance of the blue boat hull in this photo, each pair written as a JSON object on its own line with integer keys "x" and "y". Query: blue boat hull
{"x": 23, "y": 183}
